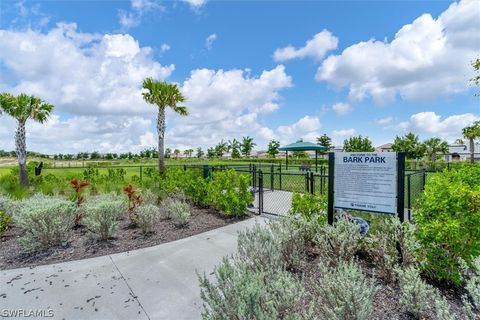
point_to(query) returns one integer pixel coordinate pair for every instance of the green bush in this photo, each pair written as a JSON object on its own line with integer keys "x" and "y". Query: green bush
{"x": 311, "y": 206}
{"x": 229, "y": 192}
{"x": 344, "y": 292}
{"x": 147, "y": 216}
{"x": 102, "y": 213}
{"x": 47, "y": 221}
{"x": 240, "y": 292}
{"x": 5, "y": 221}
{"x": 448, "y": 219}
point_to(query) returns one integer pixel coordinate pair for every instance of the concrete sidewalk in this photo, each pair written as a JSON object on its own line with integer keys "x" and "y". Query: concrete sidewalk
{"x": 153, "y": 283}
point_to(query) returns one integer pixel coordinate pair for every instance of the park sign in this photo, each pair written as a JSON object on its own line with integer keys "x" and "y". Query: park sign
{"x": 366, "y": 181}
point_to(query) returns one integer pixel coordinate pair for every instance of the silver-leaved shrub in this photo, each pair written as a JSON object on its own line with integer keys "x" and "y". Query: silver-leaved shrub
{"x": 102, "y": 213}
{"x": 147, "y": 216}
{"x": 47, "y": 221}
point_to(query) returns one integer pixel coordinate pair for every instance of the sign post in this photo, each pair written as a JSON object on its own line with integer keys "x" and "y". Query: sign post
{"x": 366, "y": 181}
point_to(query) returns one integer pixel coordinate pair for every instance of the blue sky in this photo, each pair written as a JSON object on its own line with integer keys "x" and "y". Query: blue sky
{"x": 269, "y": 69}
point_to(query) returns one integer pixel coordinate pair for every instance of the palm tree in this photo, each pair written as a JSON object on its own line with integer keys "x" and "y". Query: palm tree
{"x": 163, "y": 95}
{"x": 234, "y": 147}
{"x": 22, "y": 108}
{"x": 247, "y": 145}
{"x": 176, "y": 153}
{"x": 434, "y": 146}
{"x": 472, "y": 132}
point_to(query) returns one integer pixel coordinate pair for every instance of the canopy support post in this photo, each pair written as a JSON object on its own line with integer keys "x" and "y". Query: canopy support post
{"x": 316, "y": 160}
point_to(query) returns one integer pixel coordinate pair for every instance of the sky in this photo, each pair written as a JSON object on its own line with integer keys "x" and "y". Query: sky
{"x": 283, "y": 70}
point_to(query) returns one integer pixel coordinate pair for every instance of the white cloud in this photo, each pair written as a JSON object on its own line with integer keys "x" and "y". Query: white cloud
{"x": 384, "y": 121}
{"x": 80, "y": 73}
{"x": 164, "y": 47}
{"x": 132, "y": 18}
{"x": 209, "y": 41}
{"x": 306, "y": 128}
{"x": 430, "y": 123}
{"x": 427, "y": 58}
{"x": 342, "y": 108}
{"x": 195, "y": 4}
{"x": 315, "y": 48}
{"x": 338, "y": 136}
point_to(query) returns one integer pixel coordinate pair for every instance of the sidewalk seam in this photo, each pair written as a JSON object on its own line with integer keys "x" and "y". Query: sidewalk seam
{"x": 129, "y": 288}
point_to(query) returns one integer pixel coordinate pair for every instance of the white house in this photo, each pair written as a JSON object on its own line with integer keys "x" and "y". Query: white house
{"x": 387, "y": 147}
{"x": 461, "y": 152}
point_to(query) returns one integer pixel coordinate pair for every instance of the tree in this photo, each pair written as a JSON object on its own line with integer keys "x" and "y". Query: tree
{"x": 200, "y": 153}
{"x": 163, "y": 95}
{"x": 211, "y": 153}
{"x": 300, "y": 154}
{"x": 433, "y": 146}
{"x": 176, "y": 153}
{"x": 358, "y": 144}
{"x": 221, "y": 148}
{"x": 471, "y": 133}
{"x": 272, "y": 148}
{"x": 188, "y": 152}
{"x": 459, "y": 141}
{"x": 168, "y": 153}
{"x": 325, "y": 141}
{"x": 234, "y": 147}
{"x": 24, "y": 107}
{"x": 247, "y": 146}
{"x": 410, "y": 144}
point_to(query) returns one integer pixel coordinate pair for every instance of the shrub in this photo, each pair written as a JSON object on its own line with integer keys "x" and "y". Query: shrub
{"x": 47, "y": 221}
{"x": 344, "y": 292}
{"x": 390, "y": 236}
{"x": 239, "y": 292}
{"x": 78, "y": 197}
{"x": 102, "y": 213}
{"x": 149, "y": 197}
{"x": 178, "y": 210}
{"x": 310, "y": 206}
{"x": 5, "y": 221}
{"x": 471, "y": 276}
{"x": 9, "y": 205}
{"x": 148, "y": 215}
{"x": 228, "y": 191}
{"x": 442, "y": 308}
{"x": 338, "y": 242}
{"x": 448, "y": 216}
{"x": 415, "y": 294}
{"x": 291, "y": 240}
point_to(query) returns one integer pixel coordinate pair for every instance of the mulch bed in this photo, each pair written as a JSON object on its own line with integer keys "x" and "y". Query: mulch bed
{"x": 126, "y": 238}
{"x": 386, "y": 302}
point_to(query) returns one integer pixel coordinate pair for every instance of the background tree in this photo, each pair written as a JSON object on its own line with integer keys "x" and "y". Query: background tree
{"x": 188, "y": 152}
{"x": 325, "y": 141}
{"x": 471, "y": 133}
{"x": 459, "y": 141}
{"x": 410, "y": 144}
{"x": 273, "y": 146}
{"x": 168, "y": 153}
{"x": 211, "y": 153}
{"x": 434, "y": 146}
{"x": 199, "y": 153}
{"x": 221, "y": 148}
{"x": 163, "y": 95}
{"x": 247, "y": 146}
{"x": 358, "y": 144}
{"x": 300, "y": 154}
{"x": 22, "y": 108}
{"x": 234, "y": 148}
{"x": 176, "y": 153}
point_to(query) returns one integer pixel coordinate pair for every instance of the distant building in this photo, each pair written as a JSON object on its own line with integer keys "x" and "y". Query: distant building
{"x": 461, "y": 152}
{"x": 387, "y": 147}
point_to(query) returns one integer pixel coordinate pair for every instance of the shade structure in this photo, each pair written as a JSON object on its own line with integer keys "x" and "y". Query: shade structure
{"x": 301, "y": 145}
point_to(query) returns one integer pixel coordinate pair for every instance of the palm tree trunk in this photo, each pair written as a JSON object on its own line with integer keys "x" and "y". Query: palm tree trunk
{"x": 21, "y": 150}
{"x": 472, "y": 151}
{"x": 434, "y": 156}
{"x": 161, "y": 137}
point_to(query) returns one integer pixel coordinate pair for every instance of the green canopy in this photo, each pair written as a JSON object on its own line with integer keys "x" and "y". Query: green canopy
{"x": 301, "y": 145}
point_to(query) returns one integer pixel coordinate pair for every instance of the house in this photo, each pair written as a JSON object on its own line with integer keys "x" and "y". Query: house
{"x": 461, "y": 152}
{"x": 387, "y": 147}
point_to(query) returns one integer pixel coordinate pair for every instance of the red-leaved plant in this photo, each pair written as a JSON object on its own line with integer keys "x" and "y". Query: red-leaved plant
{"x": 78, "y": 186}
{"x": 134, "y": 199}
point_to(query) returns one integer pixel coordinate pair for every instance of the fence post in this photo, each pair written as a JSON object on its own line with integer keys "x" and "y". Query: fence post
{"x": 307, "y": 182}
{"x": 271, "y": 177}
{"x": 141, "y": 173}
{"x": 260, "y": 192}
{"x": 409, "y": 190}
{"x": 205, "y": 171}
{"x": 331, "y": 168}
{"x": 424, "y": 179}
{"x": 184, "y": 167}
{"x": 401, "y": 186}
{"x": 280, "y": 175}
{"x": 312, "y": 182}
